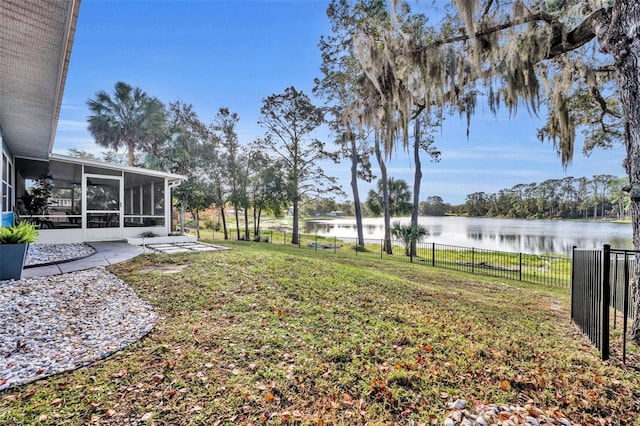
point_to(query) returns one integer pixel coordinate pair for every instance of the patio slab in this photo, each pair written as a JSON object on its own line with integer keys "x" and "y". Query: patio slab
{"x": 184, "y": 247}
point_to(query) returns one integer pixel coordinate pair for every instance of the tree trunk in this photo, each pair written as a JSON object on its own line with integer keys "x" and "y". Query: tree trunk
{"x": 246, "y": 223}
{"x": 224, "y": 223}
{"x": 621, "y": 39}
{"x": 385, "y": 198}
{"x": 131, "y": 151}
{"x": 258, "y": 221}
{"x": 417, "y": 179}
{"x": 255, "y": 222}
{"x": 295, "y": 238}
{"x": 354, "y": 189}
{"x": 235, "y": 212}
{"x": 196, "y": 219}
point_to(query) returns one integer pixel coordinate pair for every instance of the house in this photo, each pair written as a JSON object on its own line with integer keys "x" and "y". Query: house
{"x": 85, "y": 200}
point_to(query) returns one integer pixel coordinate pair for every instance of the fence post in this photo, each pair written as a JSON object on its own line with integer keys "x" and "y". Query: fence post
{"x": 334, "y": 245}
{"x": 606, "y": 288}
{"x": 284, "y": 239}
{"x": 615, "y": 292}
{"x": 433, "y": 254}
{"x": 625, "y": 308}
{"x": 271, "y": 239}
{"x": 473, "y": 260}
{"x": 520, "y": 266}
{"x": 573, "y": 275}
{"x": 381, "y": 247}
{"x": 316, "y": 242}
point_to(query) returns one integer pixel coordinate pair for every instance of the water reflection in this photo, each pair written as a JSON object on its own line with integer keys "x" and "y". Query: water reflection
{"x": 514, "y": 235}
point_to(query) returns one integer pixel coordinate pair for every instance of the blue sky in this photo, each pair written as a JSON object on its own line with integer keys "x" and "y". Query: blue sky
{"x": 235, "y": 53}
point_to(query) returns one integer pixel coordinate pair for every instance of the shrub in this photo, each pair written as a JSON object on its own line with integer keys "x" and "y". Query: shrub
{"x": 23, "y": 233}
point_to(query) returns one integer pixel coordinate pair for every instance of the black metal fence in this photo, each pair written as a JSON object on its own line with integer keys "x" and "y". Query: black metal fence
{"x": 601, "y": 280}
{"x": 622, "y": 271}
{"x": 589, "y": 307}
{"x": 538, "y": 269}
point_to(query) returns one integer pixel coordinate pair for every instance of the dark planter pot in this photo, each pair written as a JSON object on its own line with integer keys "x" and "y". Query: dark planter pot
{"x": 12, "y": 257}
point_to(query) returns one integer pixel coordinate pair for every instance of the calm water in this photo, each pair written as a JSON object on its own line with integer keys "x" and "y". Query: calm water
{"x": 513, "y": 235}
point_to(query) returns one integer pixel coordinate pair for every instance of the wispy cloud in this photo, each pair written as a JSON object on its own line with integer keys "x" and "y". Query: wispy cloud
{"x": 71, "y": 107}
{"x": 62, "y": 144}
{"x": 71, "y": 125}
{"x": 500, "y": 153}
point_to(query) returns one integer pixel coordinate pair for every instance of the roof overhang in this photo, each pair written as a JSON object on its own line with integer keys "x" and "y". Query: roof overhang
{"x": 35, "y": 47}
{"x": 172, "y": 177}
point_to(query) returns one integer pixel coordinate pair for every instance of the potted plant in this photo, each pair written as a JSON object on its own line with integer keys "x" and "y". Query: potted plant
{"x": 14, "y": 241}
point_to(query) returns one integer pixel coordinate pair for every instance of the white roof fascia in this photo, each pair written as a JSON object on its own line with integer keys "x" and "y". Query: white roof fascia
{"x": 65, "y": 54}
{"x": 130, "y": 169}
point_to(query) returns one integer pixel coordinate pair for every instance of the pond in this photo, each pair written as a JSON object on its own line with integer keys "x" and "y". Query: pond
{"x": 511, "y": 235}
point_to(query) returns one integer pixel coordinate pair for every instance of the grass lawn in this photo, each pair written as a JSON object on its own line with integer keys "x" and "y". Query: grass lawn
{"x": 272, "y": 334}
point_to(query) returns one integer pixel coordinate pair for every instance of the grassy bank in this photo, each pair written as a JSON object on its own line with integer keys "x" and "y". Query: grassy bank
{"x": 269, "y": 333}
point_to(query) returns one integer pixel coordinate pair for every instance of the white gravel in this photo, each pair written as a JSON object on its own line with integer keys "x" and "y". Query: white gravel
{"x": 58, "y": 323}
{"x": 38, "y": 254}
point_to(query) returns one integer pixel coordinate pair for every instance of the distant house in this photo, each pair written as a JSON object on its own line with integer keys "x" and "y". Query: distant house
{"x": 89, "y": 200}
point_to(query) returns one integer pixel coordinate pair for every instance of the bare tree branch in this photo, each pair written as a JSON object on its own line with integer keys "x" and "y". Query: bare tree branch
{"x": 561, "y": 43}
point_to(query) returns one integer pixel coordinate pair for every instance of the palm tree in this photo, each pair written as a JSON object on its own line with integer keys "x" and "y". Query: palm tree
{"x": 408, "y": 234}
{"x": 130, "y": 119}
{"x": 399, "y": 197}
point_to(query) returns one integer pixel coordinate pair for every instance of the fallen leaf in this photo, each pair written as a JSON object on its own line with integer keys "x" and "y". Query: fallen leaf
{"x": 42, "y": 418}
{"x": 347, "y": 400}
{"x": 285, "y": 415}
{"x": 110, "y": 412}
{"x": 57, "y": 402}
{"x": 505, "y": 385}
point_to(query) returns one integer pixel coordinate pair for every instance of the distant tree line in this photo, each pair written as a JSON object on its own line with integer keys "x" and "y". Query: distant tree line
{"x": 602, "y": 196}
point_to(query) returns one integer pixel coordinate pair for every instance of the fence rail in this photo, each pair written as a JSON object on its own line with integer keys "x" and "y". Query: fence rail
{"x": 548, "y": 270}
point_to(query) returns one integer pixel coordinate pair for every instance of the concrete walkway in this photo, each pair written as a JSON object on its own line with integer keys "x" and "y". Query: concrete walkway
{"x": 107, "y": 253}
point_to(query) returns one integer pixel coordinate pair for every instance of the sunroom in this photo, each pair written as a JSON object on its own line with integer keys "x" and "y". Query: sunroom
{"x": 75, "y": 200}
